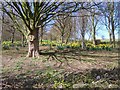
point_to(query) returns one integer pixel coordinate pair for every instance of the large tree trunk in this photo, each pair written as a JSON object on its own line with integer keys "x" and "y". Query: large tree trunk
{"x": 113, "y": 34}
{"x": 109, "y": 31}
{"x": 62, "y": 38}
{"x": 50, "y": 41}
{"x": 94, "y": 38}
{"x": 33, "y": 44}
{"x": 110, "y": 36}
{"x": 83, "y": 41}
{"x": 93, "y": 30}
{"x": 112, "y": 24}
{"x": 41, "y": 35}
{"x": 67, "y": 39}
{"x": 69, "y": 34}
{"x": 13, "y": 35}
{"x": 83, "y": 32}
{"x": 23, "y": 40}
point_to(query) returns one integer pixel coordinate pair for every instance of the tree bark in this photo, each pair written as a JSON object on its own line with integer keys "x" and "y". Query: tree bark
{"x": 83, "y": 41}
{"x": 112, "y": 24}
{"x": 109, "y": 30}
{"x": 93, "y": 30}
{"x": 113, "y": 34}
{"x": 83, "y": 32}
{"x": 69, "y": 34}
{"x": 110, "y": 35}
{"x": 94, "y": 38}
{"x": 33, "y": 44}
{"x": 62, "y": 38}
{"x": 13, "y": 35}
{"x": 67, "y": 39}
{"x": 23, "y": 40}
{"x": 41, "y": 35}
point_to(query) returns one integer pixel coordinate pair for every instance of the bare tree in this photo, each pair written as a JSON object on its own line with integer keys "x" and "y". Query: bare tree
{"x": 110, "y": 19}
{"x": 63, "y": 27}
{"x": 33, "y": 14}
{"x": 60, "y": 26}
{"x": 69, "y": 29}
{"x": 82, "y": 26}
{"x": 94, "y": 26}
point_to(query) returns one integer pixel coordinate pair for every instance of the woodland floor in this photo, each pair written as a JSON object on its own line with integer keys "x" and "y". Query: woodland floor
{"x": 21, "y": 72}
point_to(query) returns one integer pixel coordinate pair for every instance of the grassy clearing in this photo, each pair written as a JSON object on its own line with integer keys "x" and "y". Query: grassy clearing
{"x": 79, "y": 69}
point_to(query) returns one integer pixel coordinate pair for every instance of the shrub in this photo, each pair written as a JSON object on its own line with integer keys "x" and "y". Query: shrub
{"x": 59, "y": 47}
{"x": 74, "y": 45}
{"x": 107, "y": 47}
{"x": 5, "y": 47}
{"x": 61, "y": 84}
{"x": 7, "y": 44}
{"x": 17, "y": 43}
{"x": 47, "y": 43}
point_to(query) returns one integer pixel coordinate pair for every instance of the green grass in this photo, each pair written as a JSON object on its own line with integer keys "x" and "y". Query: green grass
{"x": 25, "y": 72}
{"x": 18, "y": 65}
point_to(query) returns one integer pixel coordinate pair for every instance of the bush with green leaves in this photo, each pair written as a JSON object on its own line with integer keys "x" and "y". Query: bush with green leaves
{"x": 77, "y": 44}
{"x": 48, "y": 43}
{"x": 6, "y": 45}
{"x": 17, "y": 43}
{"x": 107, "y": 47}
{"x": 74, "y": 45}
{"x": 61, "y": 84}
{"x": 59, "y": 47}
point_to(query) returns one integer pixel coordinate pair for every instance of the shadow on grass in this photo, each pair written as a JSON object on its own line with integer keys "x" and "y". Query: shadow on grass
{"x": 68, "y": 79}
{"x": 73, "y": 52}
{"x": 98, "y": 56}
{"x": 103, "y": 78}
{"x": 61, "y": 55}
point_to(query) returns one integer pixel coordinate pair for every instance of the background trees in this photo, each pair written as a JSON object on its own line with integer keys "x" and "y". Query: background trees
{"x": 72, "y": 20}
{"x": 82, "y": 22}
{"x": 62, "y": 27}
{"x": 110, "y": 19}
{"x": 33, "y": 15}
